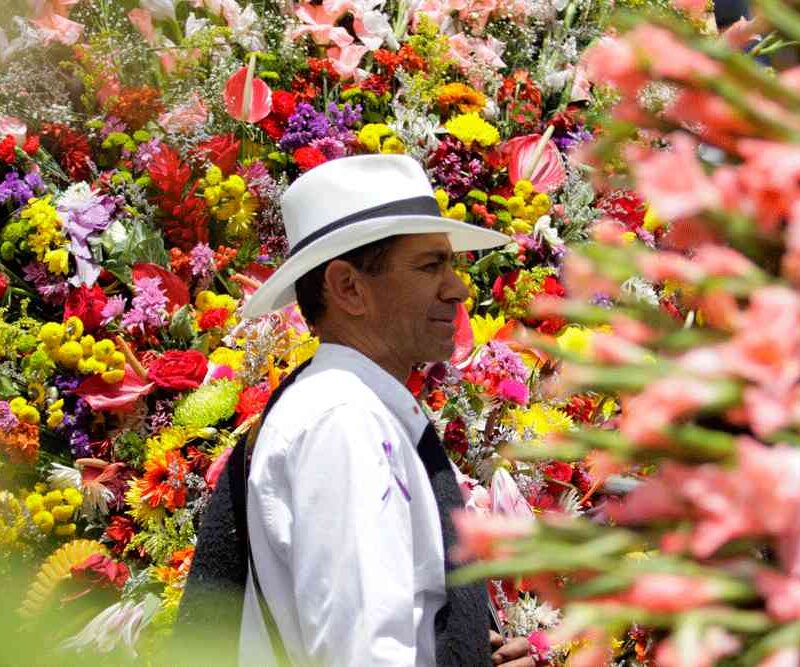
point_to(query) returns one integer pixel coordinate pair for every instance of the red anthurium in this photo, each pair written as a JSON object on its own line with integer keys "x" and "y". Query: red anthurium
{"x": 246, "y": 97}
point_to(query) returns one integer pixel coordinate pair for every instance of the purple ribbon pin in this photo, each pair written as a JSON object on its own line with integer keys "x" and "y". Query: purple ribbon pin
{"x": 387, "y": 448}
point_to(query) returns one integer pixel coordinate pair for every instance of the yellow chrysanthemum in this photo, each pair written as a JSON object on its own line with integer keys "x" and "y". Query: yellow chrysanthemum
{"x": 55, "y": 569}
{"x": 540, "y": 418}
{"x": 460, "y": 96}
{"x": 484, "y": 327}
{"x": 304, "y": 347}
{"x": 576, "y": 340}
{"x": 225, "y": 356}
{"x": 651, "y": 220}
{"x": 470, "y": 128}
{"x": 371, "y": 136}
{"x": 140, "y": 510}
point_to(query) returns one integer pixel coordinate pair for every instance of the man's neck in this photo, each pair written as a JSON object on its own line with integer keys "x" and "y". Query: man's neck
{"x": 378, "y": 353}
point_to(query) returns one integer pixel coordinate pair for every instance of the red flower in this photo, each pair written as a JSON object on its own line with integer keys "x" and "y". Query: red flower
{"x": 168, "y": 173}
{"x": 580, "y": 408}
{"x": 625, "y": 206}
{"x": 101, "y": 571}
{"x": 179, "y": 370}
{"x": 31, "y": 144}
{"x": 560, "y": 471}
{"x": 553, "y": 287}
{"x": 214, "y": 318}
{"x": 283, "y": 104}
{"x": 164, "y": 481}
{"x": 501, "y": 282}
{"x": 252, "y": 401}
{"x": 222, "y": 150}
{"x": 455, "y": 436}
{"x": 308, "y": 158}
{"x": 120, "y": 531}
{"x": 70, "y": 148}
{"x": 273, "y": 127}
{"x": 175, "y": 289}
{"x": 87, "y": 304}
{"x": 415, "y": 382}
{"x": 3, "y": 284}
{"x": 8, "y": 151}
{"x": 137, "y": 106}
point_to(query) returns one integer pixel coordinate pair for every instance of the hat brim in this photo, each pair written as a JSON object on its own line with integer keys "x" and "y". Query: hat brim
{"x": 278, "y": 290}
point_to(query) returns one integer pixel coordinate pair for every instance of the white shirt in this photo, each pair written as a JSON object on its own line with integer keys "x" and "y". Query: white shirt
{"x": 344, "y": 529}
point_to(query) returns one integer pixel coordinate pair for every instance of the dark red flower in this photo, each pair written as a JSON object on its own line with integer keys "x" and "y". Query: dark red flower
{"x": 31, "y": 144}
{"x": 307, "y": 158}
{"x": 415, "y": 382}
{"x": 455, "y": 436}
{"x": 560, "y": 471}
{"x": 168, "y": 173}
{"x": 137, "y": 106}
{"x": 273, "y": 127}
{"x": 8, "y": 152}
{"x": 552, "y": 287}
{"x": 70, "y": 148}
{"x": 3, "y": 284}
{"x": 222, "y": 150}
{"x": 120, "y": 531}
{"x": 625, "y": 206}
{"x": 179, "y": 370}
{"x": 87, "y": 303}
{"x": 101, "y": 572}
{"x": 214, "y": 318}
{"x": 580, "y": 408}
{"x": 283, "y": 104}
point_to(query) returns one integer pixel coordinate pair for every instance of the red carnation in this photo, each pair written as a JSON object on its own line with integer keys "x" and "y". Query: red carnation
{"x": 101, "y": 572}
{"x": 8, "y": 150}
{"x": 214, "y": 318}
{"x": 252, "y": 401}
{"x": 87, "y": 304}
{"x": 283, "y": 104}
{"x": 307, "y": 158}
{"x": 179, "y": 370}
{"x": 70, "y": 148}
{"x": 553, "y": 287}
{"x": 222, "y": 150}
{"x": 31, "y": 144}
{"x": 120, "y": 531}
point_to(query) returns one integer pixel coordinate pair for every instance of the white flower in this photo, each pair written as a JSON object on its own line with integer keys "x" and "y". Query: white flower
{"x": 162, "y": 10}
{"x": 543, "y": 230}
{"x": 194, "y": 24}
{"x": 640, "y": 290}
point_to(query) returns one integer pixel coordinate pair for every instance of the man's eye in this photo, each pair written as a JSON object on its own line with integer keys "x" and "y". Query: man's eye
{"x": 433, "y": 266}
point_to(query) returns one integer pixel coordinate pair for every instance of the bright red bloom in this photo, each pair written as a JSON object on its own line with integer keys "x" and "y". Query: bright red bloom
{"x": 273, "y": 127}
{"x": 222, "y": 150}
{"x": 31, "y": 144}
{"x": 70, "y": 148}
{"x": 87, "y": 303}
{"x": 553, "y": 287}
{"x": 501, "y": 282}
{"x": 168, "y": 173}
{"x": 308, "y": 158}
{"x": 3, "y": 284}
{"x": 101, "y": 572}
{"x": 625, "y": 206}
{"x": 252, "y": 401}
{"x": 8, "y": 151}
{"x": 120, "y": 531}
{"x": 580, "y": 408}
{"x": 164, "y": 481}
{"x": 179, "y": 370}
{"x": 283, "y": 104}
{"x": 214, "y": 318}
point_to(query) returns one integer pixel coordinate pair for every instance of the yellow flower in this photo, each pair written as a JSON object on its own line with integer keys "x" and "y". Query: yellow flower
{"x": 53, "y": 498}
{"x": 63, "y": 513}
{"x": 541, "y": 419}
{"x": 628, "y": 237}
{"x": 73, "y": 496}
{"x": 225, "y": 356}
{"x": 65, "y": 530}
{"x": 460, "y": 96}
{"x": 102, "y": 350}
{"x": 140, "y": 510}
{"x": 393, "y": 145}
{"x": 73, "y": 328}
{"x": 576, "y": 340}
{"x": 112, "y": 377}
{"x": 51, "y": 334}
{"x": 29, "y": 415}
{"x": 485, "y": 327}
{"x": 457, "y": 212}
{"x": 471, "y": 128}
{"x": 70, "y": 353}
{"x": 57, "y": 261}
{"x": 651, "y": 220}
{"x": 442, "y": 199}
{"x": 34, "y": 502}
{"x": 372, "y": 134}
{"x": 213, "y": 175}
{"x": 473, "y": 291}
{"x": 44, "y": 521}
{"x": 516, "y": 206}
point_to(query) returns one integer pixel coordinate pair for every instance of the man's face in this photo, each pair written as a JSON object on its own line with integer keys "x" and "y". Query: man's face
{"x": 411, "y": 306}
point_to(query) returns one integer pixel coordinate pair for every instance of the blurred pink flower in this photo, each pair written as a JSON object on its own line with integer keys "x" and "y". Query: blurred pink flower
{"x": 506, "y": 497}
{"x": 346, "y": 59}
{"x": 673, "y": 181}
{"x": 694, "y": 7}
{"x": 785, "y": 657}
{"x": 480, "y": 537}
{"x": 715, "y": 120}
{"x": 670, "y": 58}
{"x": 320, "y": 23}
{"x": 471, "y": 51}
{"x": 121, "y": 396}
{"x": 767, "y": 412}
{"x": 547, "y": 174}
{"x": 464, "y": 338}
{"x": 703, "y": 649}
{"x": 142, "y": 20}
{"x": 55, "y": 27}
{"x": 782, "y": 595}
{"x": 185, "y": 118}
{"x": 476, "y": 497}
{"x": 610, "y": 349}
{"x": 9, "y": 125}
{"x": 514, "y": 391}
{"x": 660, "y": 266}
{"x": 612, "y": 60}
{"x": 741, "y": 33}
{"x": 665, "y": 593}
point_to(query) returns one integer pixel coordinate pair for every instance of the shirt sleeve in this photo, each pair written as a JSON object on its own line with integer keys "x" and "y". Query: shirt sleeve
{"x": 352, "y": 551}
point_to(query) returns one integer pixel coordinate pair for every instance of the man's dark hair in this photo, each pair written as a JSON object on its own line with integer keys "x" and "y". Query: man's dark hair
{"x": 371, "y": 259}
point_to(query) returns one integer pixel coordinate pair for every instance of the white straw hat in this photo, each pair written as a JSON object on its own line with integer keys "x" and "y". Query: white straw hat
{"x": 347, "y": 203}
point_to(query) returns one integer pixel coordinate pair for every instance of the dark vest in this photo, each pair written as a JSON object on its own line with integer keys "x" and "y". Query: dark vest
{"x": 211, "y": 607}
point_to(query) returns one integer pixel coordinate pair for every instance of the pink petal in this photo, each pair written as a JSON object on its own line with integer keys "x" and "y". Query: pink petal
{"x": 463, "y": 338}
{"x": 234, "y": 97}
{"x": 548, "y": 174}
{"x": 121, "y": 396}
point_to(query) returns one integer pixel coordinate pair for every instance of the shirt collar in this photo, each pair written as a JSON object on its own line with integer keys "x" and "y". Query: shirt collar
{"x": 387, "y": 388}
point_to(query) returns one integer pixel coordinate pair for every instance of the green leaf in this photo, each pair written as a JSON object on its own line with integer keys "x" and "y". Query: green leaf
{"x": 180, "y": 328}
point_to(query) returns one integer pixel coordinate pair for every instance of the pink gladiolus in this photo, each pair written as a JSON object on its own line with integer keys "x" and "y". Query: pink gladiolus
{"x": 702, "y": 650}
{"x": 719, "y": 261}
{"x": 608, "y": 231}
{"x": 782, "y": 594}
{"x": 785, "y": 657}
{"x": 56, "y": 28}
{"x": 611, "y": 349}
{"x": 673, "y": 181}
{"x": 547, "y": 174}
{"x": 670, "y": 58}
{"x": 476, "y": 497}
{"x": 345, "y": 59}
{"x": 767, "y": 413}
{"x": 660, "y": 266}
{"x": 471, "y": 51}
{"x": 714, "y": 118}
{"x": 632, "y": 330}
{"x": 480, "y": 537}
{"x": 103, "y": 397}
{"x": 320, "y": 23}
{"x": 249, "y": 106}
{"x": 694, "y": 7}
{"x": 142, "y": 20}
{"x": 185, "y": 118}
{"x": 613, "y": 61}
{"x": 665, "y": 593}
{"x": 506, "y": 496}
{"x": 463, "y": 338}
{"x": 744, "y": 31}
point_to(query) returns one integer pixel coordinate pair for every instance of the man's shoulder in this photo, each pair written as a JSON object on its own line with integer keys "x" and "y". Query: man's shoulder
{"x": 318, "y": 393}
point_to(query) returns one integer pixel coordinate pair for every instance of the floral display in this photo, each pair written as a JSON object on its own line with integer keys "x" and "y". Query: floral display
{"x": 696, "y": 300}
{"x": 143, "y": 151}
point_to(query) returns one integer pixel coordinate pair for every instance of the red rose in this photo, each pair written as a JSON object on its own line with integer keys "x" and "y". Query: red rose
{"x": 307, "y": 158}
{"x": 87, "y": 304}
{"x": 222, "y": 150}
{"x": 553, "y": 287}
{"x": 101, "y": 571}
{"x": 31, "y": 144}
{"x": 179, "y": 369}
{"x": 214, "y": 318}
{"x": 7, "y": 150}
{"x": 3, "y": 284}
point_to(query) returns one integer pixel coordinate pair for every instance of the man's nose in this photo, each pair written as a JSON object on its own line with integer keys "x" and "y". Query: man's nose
{"x": 453, "y": 288}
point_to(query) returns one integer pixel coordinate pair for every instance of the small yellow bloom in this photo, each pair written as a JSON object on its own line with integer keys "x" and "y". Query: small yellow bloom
{"x": 57, "y": 261}
{"x": 213, "y": 175}
{"x": 576, "y": 340}
{"x": 70, "y": 353}
{"x": 55, "y": 418}
{"x": 103, "y": 350}
{"x": 63, "y": 513}
{"x": 442, "y": 199}
{"x": 393, "y": 145}
{"x": 53, "y": 498}
{"x": 44, "y": 521}
{"x": 112, "y": 377}
{"x": 470, "y": 128}
{"x": 65, "y": 530}
{"x": 73, "y": 328}
{"x": 520, "y": 226}
{"x": 224, "y": 356}
{"x": 73, "y": 496}
{"x": 51, "y": 334}
{"x": 457, "y": 212}
{"x": 35, "y": 503}
{"x": 651, "y": 220}
{"x": 372, "y": 134}
{"x": 628, "y": 237}
{"x": 29, "y": 415}
{"x": 87, "y": 343}
{"x": 523, "y": 188}
{"x": 235, "y": 185}
{"x": 516, "y": 206}
{"x": 485, "y": 327}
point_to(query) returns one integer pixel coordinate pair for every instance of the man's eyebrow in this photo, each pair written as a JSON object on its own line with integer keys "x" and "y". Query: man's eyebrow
{"x": 441, "y": 255}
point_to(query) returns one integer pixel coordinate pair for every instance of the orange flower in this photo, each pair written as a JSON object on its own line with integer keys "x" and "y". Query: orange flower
{"x": 21, "y": 444}
{"x": 137, "y": 106}
{"x": 460, "y": 96}
{"x": 164, "y": 479}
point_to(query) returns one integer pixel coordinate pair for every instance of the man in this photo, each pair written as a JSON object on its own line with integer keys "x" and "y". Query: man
{"x": 349, "y": 490}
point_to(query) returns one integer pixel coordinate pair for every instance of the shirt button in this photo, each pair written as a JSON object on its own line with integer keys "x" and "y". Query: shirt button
{"x": 416, "y": 410}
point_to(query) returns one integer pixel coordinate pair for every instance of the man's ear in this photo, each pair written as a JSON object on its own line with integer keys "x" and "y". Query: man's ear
{"x": 344, "y": 288}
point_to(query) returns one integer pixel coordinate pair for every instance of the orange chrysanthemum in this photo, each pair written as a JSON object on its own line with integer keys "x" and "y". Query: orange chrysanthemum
{"x": 21, "y": 444}
{"x": 461, "y": 97}
{"x": 136, "y": 106}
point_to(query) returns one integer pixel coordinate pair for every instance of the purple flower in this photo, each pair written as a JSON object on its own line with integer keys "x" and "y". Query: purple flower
{"x": 80, "y": 444}
{"x": 8, "y": 420}
{"x": 161, "y": 417}
{"x": 52, "y": 289}
{"x": 303, "y": 126}
{"x": 112, "y": 124}
{"x": 457, "y": 169}
{"x": 567, "y": 141}
{"x": 149, "y": 306}
{"x": 20, "y": 190}
{"x": 145, "y": 153}
{"x": 499, "y": 360}
{"x": 201, "y": 260}
{"x": 331, "y": 148}
{"x": 66, "y": 384}
{"x": 114, "y": 307}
